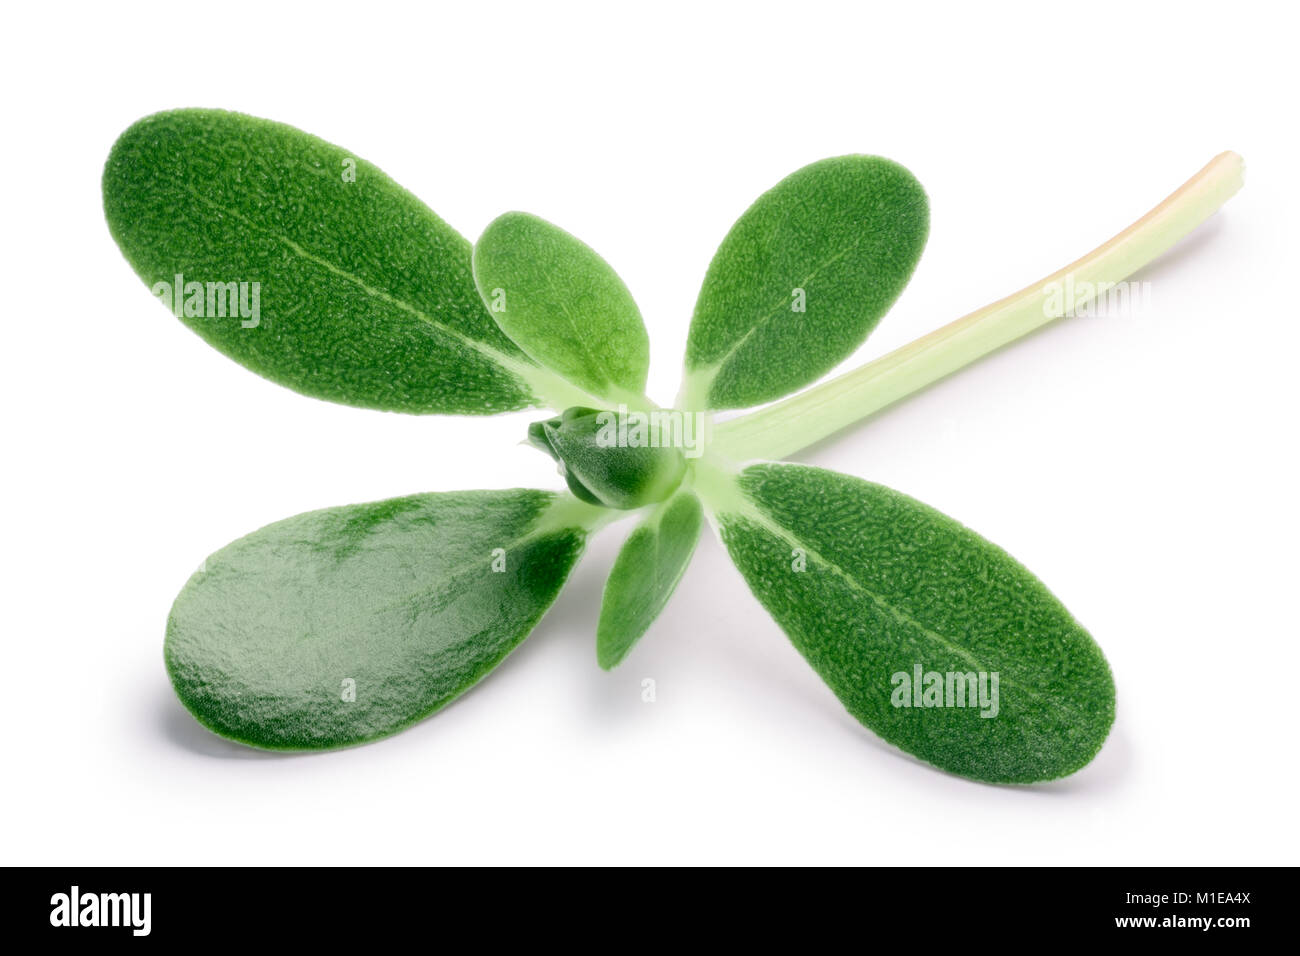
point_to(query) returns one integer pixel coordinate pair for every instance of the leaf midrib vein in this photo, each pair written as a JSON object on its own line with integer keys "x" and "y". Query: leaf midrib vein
{"x": 715, "y": 368}
{"x": 508, "y": 362}
{"x": 753, "y": 513}
{"x": 593, "y": 366}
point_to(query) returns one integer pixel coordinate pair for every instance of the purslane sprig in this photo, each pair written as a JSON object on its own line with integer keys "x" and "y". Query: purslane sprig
{"x": 335, "y": 627}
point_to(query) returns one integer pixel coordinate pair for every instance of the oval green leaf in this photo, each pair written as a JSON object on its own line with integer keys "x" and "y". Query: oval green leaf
{"x": 308, "y": 265}
{"x": 564, "y": 306}
{"x": 802, "y": 278}
{"x": 644, "y": 576}
{"x": 340, "y": 626}
{"x": 874, "y": 589}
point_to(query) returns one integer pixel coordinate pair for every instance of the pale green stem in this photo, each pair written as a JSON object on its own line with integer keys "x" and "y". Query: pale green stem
{"x": 553, "y": 391}
{"x": 788, "y": 426}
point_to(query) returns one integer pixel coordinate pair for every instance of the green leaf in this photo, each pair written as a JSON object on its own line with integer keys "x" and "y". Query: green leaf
{"x": 870, "y": 584}
{"x": 364, "y": 296}
{"x": 646, "y": 573}
{"x": 402, "y": 604}
{"x": 838, "y": 239}
{"x": 564, "y": 306}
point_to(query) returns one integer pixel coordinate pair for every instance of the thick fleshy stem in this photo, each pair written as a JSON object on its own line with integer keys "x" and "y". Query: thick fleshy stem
{"x": 786, "y": 427}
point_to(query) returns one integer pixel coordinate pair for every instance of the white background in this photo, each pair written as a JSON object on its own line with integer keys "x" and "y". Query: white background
{"x": 1143, "y": 466}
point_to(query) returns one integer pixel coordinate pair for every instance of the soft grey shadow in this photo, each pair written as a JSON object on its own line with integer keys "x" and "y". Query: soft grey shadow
{"x": 179, "y": 728}
{"x": 1105, "y": 771}
{"x": 1111, "y": 766}
{"x": 1182, "y": 250}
